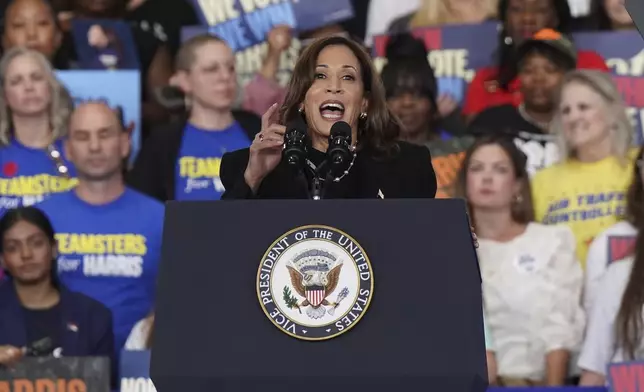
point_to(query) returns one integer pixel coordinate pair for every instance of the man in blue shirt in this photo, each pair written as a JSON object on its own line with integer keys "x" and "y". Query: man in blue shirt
{"x": 109, "y": 236}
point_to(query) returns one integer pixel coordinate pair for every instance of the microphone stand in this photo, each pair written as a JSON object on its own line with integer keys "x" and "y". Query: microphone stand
{"x": 318, "y": 188}
{"x": 303, "y": 181}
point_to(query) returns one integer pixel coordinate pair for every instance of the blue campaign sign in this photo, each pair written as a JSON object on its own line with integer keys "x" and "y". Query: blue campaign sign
{"x": 135, "y": 372}
{"x": 116, "y": 51}
{"x": 456, "y": 52}
{"x": 245, "y": 23}
{"x": 116, "y": 88}
{"x": 311, "y": 14}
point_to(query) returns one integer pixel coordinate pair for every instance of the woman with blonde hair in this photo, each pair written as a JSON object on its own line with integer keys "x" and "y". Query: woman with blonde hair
{"x": 586, "y": 189}
{"x": 34, "y": 109}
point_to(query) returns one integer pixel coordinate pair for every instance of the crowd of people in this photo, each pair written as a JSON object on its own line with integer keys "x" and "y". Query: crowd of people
{"x": 558, "y": 244}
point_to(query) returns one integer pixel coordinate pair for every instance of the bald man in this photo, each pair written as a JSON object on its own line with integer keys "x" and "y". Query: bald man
{"x": 109, "y": 236}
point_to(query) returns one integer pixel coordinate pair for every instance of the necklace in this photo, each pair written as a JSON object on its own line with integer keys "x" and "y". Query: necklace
{"x": 337, "y": 179}
{"x": 314, "y": 167}
{"x": 55, "y": 155}
{"x": 526, "y": 116}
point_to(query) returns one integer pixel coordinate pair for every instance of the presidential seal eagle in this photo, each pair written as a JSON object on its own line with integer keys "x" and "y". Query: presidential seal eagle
{"x": 315, "y": 275}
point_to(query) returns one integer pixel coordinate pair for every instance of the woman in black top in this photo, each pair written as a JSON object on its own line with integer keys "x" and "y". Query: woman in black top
{"x": 38, "y": 315}
{"x": 334, "y": 80}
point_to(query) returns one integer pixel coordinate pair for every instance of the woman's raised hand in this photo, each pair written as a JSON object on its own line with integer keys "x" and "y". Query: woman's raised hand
{"x": 266, "y": 150}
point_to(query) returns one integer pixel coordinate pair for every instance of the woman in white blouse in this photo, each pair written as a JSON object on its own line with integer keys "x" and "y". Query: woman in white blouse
{"x": 532, "y": 281}
{"x": 615, "y": 324}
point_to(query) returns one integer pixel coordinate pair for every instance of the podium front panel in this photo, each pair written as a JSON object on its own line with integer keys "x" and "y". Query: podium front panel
{"x": 423, "y": 327}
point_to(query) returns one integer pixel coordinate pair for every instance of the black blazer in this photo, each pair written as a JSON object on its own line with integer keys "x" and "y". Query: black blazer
{"x": 155, "y": 167}
{"x": 85, "y": 327}
{"x": 406, "y": 174}
{"x": 92, "y": 335}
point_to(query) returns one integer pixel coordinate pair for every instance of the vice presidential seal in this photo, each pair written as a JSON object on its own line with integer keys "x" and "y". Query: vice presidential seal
{"x": 315, "y": 282}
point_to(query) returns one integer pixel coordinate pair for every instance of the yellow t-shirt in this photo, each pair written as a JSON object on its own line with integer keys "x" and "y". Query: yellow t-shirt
{"x": 588, "y": 197}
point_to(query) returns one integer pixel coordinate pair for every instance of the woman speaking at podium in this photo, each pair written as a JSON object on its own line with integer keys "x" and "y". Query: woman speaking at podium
{"x": 334, "y": 82}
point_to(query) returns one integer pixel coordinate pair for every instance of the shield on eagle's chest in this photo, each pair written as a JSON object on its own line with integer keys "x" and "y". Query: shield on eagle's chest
{"x": 315, "y": 295}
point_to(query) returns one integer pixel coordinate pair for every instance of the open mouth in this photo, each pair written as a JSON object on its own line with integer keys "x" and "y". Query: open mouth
{"x": 332, "y": 110}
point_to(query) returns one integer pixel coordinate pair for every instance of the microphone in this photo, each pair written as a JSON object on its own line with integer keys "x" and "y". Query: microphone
{"x": 40, "y": 348}
{"x": 339, "y": 151}
{"x": 295, "y": 150}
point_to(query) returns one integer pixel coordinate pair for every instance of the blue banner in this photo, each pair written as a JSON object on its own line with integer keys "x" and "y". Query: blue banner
{"x": 457, "y": 51}
{"x": 116, "y": 88}
{"x": 104, "y": 44}
{"x": 245, "y": 23}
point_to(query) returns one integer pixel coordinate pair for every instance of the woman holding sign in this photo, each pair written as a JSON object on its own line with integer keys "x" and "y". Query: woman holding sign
{"x": 334, "y": 82}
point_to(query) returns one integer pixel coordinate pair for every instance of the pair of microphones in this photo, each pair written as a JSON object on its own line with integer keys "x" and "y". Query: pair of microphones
{"x": 296, "y": 147}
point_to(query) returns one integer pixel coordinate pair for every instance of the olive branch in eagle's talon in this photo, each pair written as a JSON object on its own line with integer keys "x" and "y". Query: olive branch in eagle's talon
{"x": 290, "y": 300}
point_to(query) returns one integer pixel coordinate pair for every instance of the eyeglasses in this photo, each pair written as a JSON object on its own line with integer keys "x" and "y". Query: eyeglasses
{"x": 55, "y": 156}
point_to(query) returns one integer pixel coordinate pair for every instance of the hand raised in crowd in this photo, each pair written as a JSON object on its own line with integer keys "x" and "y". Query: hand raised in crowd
{"x": 97, "y": 38}
{"x": 446, "y": 105}
{"x": 266, "y": 149}
{"x": 9, "y": 355}
{"x": 279, "y": 39}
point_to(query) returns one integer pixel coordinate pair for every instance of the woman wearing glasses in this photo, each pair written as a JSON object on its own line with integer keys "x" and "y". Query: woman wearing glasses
{"x": 34, "y": 108}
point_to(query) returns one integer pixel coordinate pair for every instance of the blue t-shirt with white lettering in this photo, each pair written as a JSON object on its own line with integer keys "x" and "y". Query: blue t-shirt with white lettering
{"x": 110, "y": 252}
{"x": 197, "y": 171}
{"x": 28, "y": 175}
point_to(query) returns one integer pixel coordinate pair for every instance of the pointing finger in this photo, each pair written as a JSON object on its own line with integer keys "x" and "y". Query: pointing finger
{"x": 267, "y": 117}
